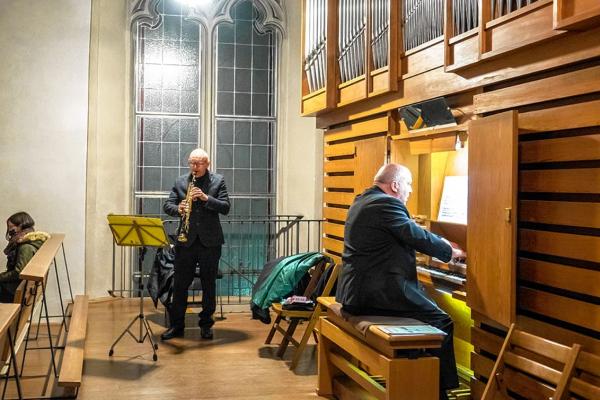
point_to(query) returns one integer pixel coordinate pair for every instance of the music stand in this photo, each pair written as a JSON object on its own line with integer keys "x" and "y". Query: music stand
{"x": 138, "y": 231}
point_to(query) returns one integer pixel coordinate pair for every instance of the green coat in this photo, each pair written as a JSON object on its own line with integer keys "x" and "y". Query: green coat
{"x": 25, "y": 251}
{"x": 284, "y": 277}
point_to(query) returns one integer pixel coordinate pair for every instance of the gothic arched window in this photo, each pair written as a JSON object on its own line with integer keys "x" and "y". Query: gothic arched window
{"x": 206, "y": 76}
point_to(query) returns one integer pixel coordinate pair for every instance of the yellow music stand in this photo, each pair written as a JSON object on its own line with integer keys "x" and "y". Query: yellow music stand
{"x": 138, "y": 231}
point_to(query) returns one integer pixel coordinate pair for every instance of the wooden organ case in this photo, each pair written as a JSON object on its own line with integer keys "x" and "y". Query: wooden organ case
{"x": 522, "y": 79}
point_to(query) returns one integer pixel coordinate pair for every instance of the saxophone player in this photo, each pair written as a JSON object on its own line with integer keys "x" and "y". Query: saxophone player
{"x": 198, "y": 198}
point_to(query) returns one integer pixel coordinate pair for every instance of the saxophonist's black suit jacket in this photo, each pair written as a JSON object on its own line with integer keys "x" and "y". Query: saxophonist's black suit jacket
{"x": 204, "y": 219}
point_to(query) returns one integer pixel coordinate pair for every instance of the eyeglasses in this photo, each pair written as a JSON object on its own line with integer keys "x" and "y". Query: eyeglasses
{"x": 196, "y": 163}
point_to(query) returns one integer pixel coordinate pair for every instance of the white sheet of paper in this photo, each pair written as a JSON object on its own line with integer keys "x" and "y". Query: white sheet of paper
{"x": 453, "y": 206}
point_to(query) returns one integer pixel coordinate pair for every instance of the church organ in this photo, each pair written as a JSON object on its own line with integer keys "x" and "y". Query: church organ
{"x": 522, "y": 79}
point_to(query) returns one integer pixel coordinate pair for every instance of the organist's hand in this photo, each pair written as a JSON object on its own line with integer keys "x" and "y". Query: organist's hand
{"x": 457, "y": 252}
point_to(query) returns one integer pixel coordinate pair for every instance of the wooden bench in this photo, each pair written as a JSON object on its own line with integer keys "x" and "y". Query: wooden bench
{"x": 8, "y": 317}
{"x": 32, "y": 292}
{"x": 359, "y": 360}
{"x": 71, "y": 370}
{"x": 35, "y": 275}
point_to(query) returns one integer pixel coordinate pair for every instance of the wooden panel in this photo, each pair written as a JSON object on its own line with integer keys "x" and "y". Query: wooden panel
{"x": 330, "y": 228}
{"x": 341, "y": 198}
{"x": 425, "y": 60}
{"x": 522, "y": 28}
{"x": 486, "y": 341}
{"x": 481, "y": 365}
{"x": 37, "y": 268}
{"x": 563, "y": 149}
{"x": 561, "y": 308}
{"x": 576, "y": 14}
{"x": 355, "y": 91}
{"x": 314, "y": 102}
{"x": 577, "y": 148}
{"x": 556, "y": 87}
{"x": 569, "y": 213}
{"x": 370, "y": 156}
{"x": 433, "y": 145}
{"x": 465, "y": 51}
{"x": 338, "y": 214}
{"x": 491, "y": 276}
{"x": 571, "y": 116}
{"x": 558, "y": 334}
{"x": 381, "y": 83}
{"x": 346, "y": 165}
{"x": 334, "y": 245}
{"x": 340, "y": 149}
{"x": 363, "y": 128}
{"x": 568, "y": 245}
{"x": 477, "y": 388}
{"x": 566, "y": 277}
{"x": 579, "y": 180}
{"x": 338, "y": 181}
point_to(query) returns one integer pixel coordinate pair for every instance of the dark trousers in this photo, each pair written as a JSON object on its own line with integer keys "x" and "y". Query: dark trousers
{"x": 7, "y": 291}
{"x": 438, "y": 319}
{"x": 186, "y": 259}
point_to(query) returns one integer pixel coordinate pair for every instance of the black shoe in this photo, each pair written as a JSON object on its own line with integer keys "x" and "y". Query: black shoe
{"x": 171, "y": 333}
{"x": 206, "y": 332}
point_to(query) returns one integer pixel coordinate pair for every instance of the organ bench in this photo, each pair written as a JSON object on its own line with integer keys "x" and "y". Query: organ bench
{"x": 358, "y": 360}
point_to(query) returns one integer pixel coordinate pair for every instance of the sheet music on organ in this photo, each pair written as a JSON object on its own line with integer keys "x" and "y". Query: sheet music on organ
{"x": 453, "y": 206}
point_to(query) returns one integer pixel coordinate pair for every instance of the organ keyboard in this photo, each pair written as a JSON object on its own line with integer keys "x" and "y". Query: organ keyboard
{"x": 449, "y": 277}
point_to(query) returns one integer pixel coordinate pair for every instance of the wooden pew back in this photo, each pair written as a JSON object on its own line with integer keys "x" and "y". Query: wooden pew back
{"x": 37, "y": 268}
{"x": 532, "y": 367}
{"x": 585, "y": 382}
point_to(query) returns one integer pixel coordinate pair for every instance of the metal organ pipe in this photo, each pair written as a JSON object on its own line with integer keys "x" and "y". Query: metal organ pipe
{"x": 315, "y": 39}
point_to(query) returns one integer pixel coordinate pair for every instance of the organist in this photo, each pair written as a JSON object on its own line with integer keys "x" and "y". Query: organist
{"x": 379, "y": 274}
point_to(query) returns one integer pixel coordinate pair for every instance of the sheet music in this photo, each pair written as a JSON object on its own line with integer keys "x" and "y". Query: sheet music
{"x": 453, "y": 206}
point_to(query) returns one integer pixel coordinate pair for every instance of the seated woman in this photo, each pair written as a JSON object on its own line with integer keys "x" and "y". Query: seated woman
{"x": 23, "y": 242}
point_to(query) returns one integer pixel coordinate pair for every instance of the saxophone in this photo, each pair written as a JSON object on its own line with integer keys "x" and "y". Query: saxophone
{"x": 185, "y": 218}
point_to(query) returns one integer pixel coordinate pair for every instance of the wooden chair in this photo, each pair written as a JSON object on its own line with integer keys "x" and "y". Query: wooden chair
{"x": 294, "y": 317}
{"x": 585, "y": 381}
{"x": 531, "y": 367}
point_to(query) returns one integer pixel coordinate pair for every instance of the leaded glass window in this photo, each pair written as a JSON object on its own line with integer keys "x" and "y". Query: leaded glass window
{"x": 167, "y": 104}
{"x": 170, "y": 104}
{"x": 245, "y": 111}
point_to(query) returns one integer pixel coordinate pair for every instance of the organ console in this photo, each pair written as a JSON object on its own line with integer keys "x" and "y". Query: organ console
{"x": 450, "y": 277}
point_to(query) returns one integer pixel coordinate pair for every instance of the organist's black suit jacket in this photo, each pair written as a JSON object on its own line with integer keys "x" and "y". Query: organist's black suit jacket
{"x": 379, "y": 270}
{"x": 204, "y": 220}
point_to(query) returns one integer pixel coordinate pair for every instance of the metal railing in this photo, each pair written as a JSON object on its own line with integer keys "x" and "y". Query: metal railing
{"x": 250, "y": 242}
